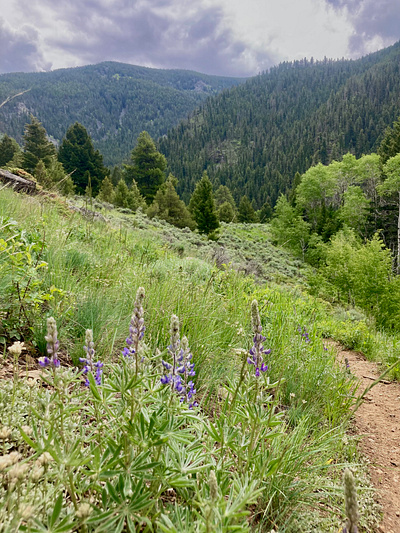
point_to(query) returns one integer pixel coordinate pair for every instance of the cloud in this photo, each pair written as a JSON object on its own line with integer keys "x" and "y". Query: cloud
{"x": 375, "y": 25}
{"x": 19, "y": 49}
{"x": 160, "y": 33}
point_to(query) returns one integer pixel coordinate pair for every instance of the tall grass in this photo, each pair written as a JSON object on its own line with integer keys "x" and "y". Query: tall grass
{"x": 276, "y": 447}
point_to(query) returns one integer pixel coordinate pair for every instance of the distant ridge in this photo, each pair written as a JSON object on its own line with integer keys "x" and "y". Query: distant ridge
{"x": 114, "y": 101}
{"x": 256, "y": 136}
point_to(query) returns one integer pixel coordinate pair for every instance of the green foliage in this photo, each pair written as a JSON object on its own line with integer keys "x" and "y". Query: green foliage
{"x": 202, "y": 206}
{"x": 147, "y": 168}
{"x": 80, "y": 159}
{"x": 227, "y": 213}
{"x": 288, "y": 227}
{"x": 36, "y": 146}
{"x": 106, "y": 192}
{"x": 246, "y": 211}
{"x": 8, "y": 149}
{"x": 390, "y": 144}
{"x": 169, "y": 207}
{"x": 121, "y": 194}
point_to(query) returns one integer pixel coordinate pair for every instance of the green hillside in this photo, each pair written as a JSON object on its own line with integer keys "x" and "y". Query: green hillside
{"x": 114, "y": 101}
{"x": 255, "y": 137}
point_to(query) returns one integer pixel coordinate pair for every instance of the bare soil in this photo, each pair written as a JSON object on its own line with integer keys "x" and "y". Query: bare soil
{"x": 377, "y": 422}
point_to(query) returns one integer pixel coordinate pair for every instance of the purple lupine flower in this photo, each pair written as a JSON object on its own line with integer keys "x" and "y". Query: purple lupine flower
{"x": 257, "y": 350}
{"x": 136, "y": 327}
{"x": 177, "y": 373}
{"x": 96, "y": 368}
{"x": 304, "y": 333}
{"x": 52, "y": 345}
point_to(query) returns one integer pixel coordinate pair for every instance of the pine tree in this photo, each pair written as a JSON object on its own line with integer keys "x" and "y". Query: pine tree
{"x": 202, "y": 206}
{"x": 226, "y": 213}
{"x": 135, "y": 199}
{"x": 106, "y": 193}
{"x": 390, "y": 145}
{"x": 148, "y": 167}
{"x": 168, "y": 206}
{"x": 61, "y": 181}
{"x": 79, "y": 158}
{"x": 8, "y": 148}
{"x": 36, "y": 146}
{"x": 246, "y": 211}
{"x": 41, "y": 175}
{"x": 121, "y": 194}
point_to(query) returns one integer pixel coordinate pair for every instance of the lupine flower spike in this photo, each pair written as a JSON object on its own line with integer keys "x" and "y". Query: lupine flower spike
{"x": 304, "y": 333}
{"x": 52, "y": 345}
{"x": 136, "y": 327}
{"x": 177, "y": 373}
{"x": 257, "y": 351}
{"x": 90, "y": 365}
{"x": 350, "y": 498}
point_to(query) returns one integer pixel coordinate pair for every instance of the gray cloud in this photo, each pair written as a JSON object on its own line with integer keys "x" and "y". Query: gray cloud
{"x": 371, "y": 20}
{"x": 160, "y": 33}
{"x": 19, "y": 50}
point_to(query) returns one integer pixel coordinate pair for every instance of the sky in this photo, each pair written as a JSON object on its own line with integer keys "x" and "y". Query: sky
{"x": 223, "y": 37}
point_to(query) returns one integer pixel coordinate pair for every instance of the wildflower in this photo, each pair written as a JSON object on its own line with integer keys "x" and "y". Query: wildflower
{"x": 182, "y": 368}
{"x": 84, "y": 511}
{"x": 89, "y": 366}
{"x": 5, "y": 433}
{"x": 44, "y": 459}
{"x": 5, "y": 462}
{"x": 15, "y": 457}
{"x": 213, "y": 485}
{"x": 37, "y": 473}
{"x": 16, "y": 348}
{"x": 350, "y": 497}
{"x": 52, "y": 345}
{"x": 26, "y": 429}
{"x": 137, "y": 327}
{"x": 18, "y": 472}
{"x": 257, "y": 351}
{"x": 26, "y": 512}
{"x": 304, "y": 333}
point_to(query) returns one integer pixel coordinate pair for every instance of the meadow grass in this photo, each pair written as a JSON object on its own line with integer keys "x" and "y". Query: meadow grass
{"x": 128, "y": 455}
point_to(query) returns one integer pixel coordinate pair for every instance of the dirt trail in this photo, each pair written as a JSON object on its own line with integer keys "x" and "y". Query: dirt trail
{"x": 377, "y": 421}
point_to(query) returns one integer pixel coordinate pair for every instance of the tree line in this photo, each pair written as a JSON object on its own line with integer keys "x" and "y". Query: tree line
{"x": 344, "y": 219}
{"x": 77, "y": 167}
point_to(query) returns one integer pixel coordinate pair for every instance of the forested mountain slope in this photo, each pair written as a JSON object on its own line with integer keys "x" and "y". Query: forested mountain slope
{"x": 114, "y": 101}
{"x": 256, "y": 136}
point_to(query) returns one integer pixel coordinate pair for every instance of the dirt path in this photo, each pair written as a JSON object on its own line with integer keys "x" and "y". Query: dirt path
{"x": 377, "y": 421}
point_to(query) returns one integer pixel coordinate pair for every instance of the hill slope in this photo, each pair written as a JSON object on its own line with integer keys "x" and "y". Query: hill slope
{"x": 114, "y": 101}
{"x": 256, "y": 136}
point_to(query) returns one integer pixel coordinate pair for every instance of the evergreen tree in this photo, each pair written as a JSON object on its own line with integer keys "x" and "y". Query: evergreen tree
{"x": 246, "y": 211}
{"x": 8, "y": 148}
{"x": 223, "y": 195}
{"x": 79, "y": 158}
{"x": 42, "y": 176}
{"x": 116, "y": 175}
{"x": 36, "y": 146}
{"x": 135, "y": 199}
{"x": 61, "y": 181}
{"x": 226, "y": 213}
{"x": 121, "y": 194}
{"x": 148, "y": 167}
{"x": 265, "y": 213}
{"x": 106, "y": 193}
{"x": 168, "y": 206}
{"x": 390, "y": 145}
{"x": 202, "y": 206}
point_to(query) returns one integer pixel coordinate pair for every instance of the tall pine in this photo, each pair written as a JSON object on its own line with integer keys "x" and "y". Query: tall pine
{"x": 80, "y": 159}
{"x": 202, "y": 206}
{"x": 147, "y": 168}
{"x": 36, "y": 146}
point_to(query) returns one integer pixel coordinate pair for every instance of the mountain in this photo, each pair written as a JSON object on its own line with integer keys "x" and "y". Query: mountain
{"x": 114, "y": 101}
{"x": 256, "y": 136}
